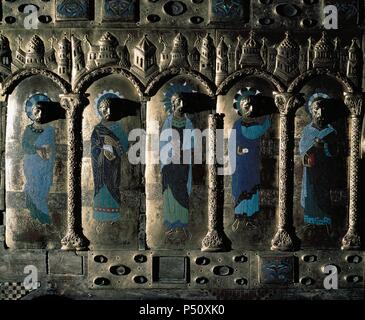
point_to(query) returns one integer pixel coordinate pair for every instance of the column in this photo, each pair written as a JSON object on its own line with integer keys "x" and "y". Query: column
{"x": 215, "y": 240}
{"x": 74, "y": 239}
{"x": 285, "y": 238}
{"x": 352, "y": 239}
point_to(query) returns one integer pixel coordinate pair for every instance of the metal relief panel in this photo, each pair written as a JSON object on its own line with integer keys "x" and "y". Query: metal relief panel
{"x": 120, "y": 10}
{"x": 174, "y": 13}
{"x": 35, "y": 161}
{"x": 118, "y": 269}
{"x": 111, "y": 193}
{"x": 73, "y": 10}
{"x": 348, "y": 268}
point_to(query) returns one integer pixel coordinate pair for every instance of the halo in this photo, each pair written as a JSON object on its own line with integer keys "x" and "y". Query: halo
{"x": 32, "y": 100}
{"x": 104, "y": 95}
{"x": 243, "y": 93}
{"x": 312, "y": 98}
{"x": 175, "y": 88}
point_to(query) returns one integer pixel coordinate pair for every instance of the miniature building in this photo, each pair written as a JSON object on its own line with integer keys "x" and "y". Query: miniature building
{"x": 251, "y": 53}
{"x": 221, "y": 70}
{"x": 287, "y": 59}
{"x": 144, "y": 60}
{"x": 64, "y": 59}
{"x": 324, "y": 53}
{"x": 179, "y": 53}
{"x": 5, "y": 56}
{"x": 207, "y": 57}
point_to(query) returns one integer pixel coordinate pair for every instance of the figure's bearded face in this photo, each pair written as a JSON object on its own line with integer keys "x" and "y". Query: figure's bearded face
{"x": 246, "y": 108}
{"x": 37, "y": 114}
{"x": 318, "y": 115}
{"x": 105, "y": 111}
{"x": 177, "y": 106}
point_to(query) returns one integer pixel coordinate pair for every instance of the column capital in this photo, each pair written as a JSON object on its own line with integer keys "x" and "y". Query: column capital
{"x": 71, "y": 101}
{"x": 354, "y": 102}
{"x": 287, "y": 102}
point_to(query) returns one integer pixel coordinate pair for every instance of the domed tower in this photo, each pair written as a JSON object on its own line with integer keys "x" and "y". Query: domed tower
{"x": 34, "y": 55}
{"x": 194, "y": 56}
{"x": 207, "y": 57}
{"x": 354, "y": 63}
{"x": 251, "y": 53}
{"x": 324, "y": 53}
{"x": 221, "y": 70}
{"x": 287, "y": 59}
{"x": 144, "y": 61}
{"x": 64, "y": 62}
{"x": 179, "y": 53}
{"x": 107, "y": 50}
{"x": 5, "y": 56}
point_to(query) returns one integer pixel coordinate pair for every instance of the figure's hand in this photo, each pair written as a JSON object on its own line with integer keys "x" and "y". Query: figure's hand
{"x": 109, "y": 155}
{"x": 319, "y": 143}
{"x": 43, "y": 152}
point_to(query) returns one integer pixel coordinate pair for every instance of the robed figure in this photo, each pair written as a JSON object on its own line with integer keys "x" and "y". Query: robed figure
{"x": 176, "y": 175}
{"x": 108, "y": 143}
{"x": 39, "y": 148}
{"x": 317, "y": 148}
{"x": 246, "y": 178}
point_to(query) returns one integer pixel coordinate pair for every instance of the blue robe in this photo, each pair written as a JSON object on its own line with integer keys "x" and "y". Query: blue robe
{"x": 107, "y": 172}
{"x": 38, "y": 171}
{"x": 246, "y": 178}
{"x": 176, "y": 180}
{"x": 316, "y": 182}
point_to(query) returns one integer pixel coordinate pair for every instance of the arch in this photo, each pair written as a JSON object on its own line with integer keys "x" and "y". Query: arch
{"x": 299, "y": 82}
{"x": 157, "y": 82}
{"x": 13, "y": 80}
{"x": 232, "y": 79}
{"x": 87, "y": 79}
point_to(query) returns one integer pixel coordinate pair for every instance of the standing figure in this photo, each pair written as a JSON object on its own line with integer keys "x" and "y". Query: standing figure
{"x": 108, "y": 143}
{"x": 176, "y": 176}
{"x": 317, "y": 148}
{"x": 246, "y": 178}
{"x": 39, "y": 157}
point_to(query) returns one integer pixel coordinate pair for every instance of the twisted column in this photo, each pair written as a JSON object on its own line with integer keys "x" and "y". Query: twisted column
{"x": 74, "y": 239}
{"x": 352, "y": 239}
{"x": 285, "y": 238}
{"x": 215, "y": 240}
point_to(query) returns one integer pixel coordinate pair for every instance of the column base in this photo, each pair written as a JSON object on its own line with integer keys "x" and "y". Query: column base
{"x": 351, "y": 241}
{"x": 76, "y": 242}
{"x": 215, "y": 242}
{"x": 285, "y": 241}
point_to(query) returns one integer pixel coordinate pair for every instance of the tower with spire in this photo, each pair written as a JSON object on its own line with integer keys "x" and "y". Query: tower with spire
{"x": 164, "y": 55}
{"x": 354, "y": 62}
{"x": 237, "y": 53}
{"x": 221, "y": 70}
{"x": 64, "y": 61}
{"x": 179, "y": 52}
{"x": 5, "y": 57}
{"x": 207, "y": 57}
{"x": 194, "y": 56}
{"x": 78, "y": 59}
